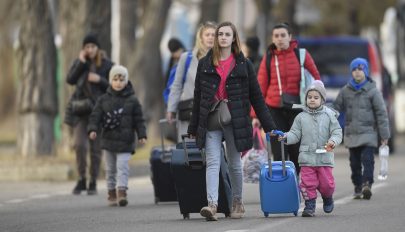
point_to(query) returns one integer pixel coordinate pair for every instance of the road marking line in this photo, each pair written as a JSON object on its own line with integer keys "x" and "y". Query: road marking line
{"x": 40, "y": 196}
{"x": 238, "y": 230}
{"x": 135, "y": 181}
{"x": 15, "y": 201}
{"x": 347, "y": 199}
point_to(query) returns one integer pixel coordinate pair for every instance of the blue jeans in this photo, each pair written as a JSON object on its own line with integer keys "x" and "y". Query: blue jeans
{"x": 213, "y": 145}
{"x": 117, "y": 169}
{"x": 362, "y": 165}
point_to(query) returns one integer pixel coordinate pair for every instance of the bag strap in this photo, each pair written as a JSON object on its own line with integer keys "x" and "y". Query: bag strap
{"x": 268, "y": 63}
{"x": 303, "y": 86}
{"x": 302, "y": 62}
{"x": 257, "y": 135}
{"x": 84, "y": 87}
{"x": 302, "y": 56}
{"x": 187, "y": 65}
{"x": 278, "y": 76}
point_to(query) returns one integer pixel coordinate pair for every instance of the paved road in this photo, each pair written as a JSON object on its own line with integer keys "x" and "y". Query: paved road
{"x": 39, "y": 206}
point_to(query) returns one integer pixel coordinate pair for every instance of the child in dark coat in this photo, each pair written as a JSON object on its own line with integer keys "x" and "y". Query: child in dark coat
{"x": 118, "y": 114}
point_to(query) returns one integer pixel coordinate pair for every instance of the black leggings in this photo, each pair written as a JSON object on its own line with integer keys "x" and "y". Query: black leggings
{"x": 284, "y": 119}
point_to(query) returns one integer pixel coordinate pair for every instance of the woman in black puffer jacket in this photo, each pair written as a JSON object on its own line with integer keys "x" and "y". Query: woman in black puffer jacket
{"x": 89, "y": 75}
{"x": 225, "y": 74}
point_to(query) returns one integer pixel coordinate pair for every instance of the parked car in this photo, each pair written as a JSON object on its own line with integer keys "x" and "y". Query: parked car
{"x": 333, "y": 55}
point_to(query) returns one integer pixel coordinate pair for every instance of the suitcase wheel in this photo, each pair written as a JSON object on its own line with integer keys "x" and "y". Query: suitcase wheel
{"x": 295, "y": 213}
{"x": 266, "y": 214}
{"x": 186, "y": 216}
{"x": 156, "y": 200}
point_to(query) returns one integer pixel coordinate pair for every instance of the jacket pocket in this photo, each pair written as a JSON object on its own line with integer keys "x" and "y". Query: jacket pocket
{"x": 306, "y": 158}
{"x": 304, "y": 148}
{"x": 303, "y": 158}
{"x": 327, "y": 158}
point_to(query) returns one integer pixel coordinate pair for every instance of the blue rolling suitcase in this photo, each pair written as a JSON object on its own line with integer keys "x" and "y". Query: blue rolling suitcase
{"x": 188, "y": 169}
{"x": 279, "y": 191}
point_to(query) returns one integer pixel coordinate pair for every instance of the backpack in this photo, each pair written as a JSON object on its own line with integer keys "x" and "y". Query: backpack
{"x": 172, "y": 75}
{"x": 306, "y": 76}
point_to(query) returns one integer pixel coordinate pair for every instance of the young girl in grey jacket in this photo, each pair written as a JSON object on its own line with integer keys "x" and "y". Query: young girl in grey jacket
{"x": 319, "y": 131}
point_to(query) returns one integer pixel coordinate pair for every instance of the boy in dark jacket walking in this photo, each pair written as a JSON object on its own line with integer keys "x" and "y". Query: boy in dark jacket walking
{"x": 118, "y": 113}
{"x": 365, "y": 119}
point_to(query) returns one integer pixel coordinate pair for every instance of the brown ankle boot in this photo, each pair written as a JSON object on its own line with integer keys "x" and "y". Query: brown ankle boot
{"x": 112, "y": 197}
{"x": 209, "y": 212}
{"x": 122, "y": 197}
{"x": 238, "y": 209}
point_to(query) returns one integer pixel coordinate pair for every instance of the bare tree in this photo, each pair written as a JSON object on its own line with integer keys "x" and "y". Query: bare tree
{"x": 264, "y": 22}
{"x": 147, "y": 66}
{"x": 37, "y": 103}
{"x": 98, "y": 20}
{"x": 291, "y": 10}
{"x": 77, "y": 18}
{"x": 353, "y": 16}
{"x": 210, "y": 10}
{"x": 71, "y": 26}
{"x": 8, "y": 19}
{"x": 127, "y": 30}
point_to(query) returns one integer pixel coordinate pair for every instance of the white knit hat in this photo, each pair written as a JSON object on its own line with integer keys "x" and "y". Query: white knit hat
{"x": 318, "y": 86}
{"x": 118, "y": 69}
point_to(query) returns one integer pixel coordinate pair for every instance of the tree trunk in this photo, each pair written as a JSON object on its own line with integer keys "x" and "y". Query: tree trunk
{"x": 72, "y": 24}
{"x": 291, "y": 9}
{"x": 98, "y": 21}
{"x": 210, "y": 10}
{"x": 146, "y": 73}
{"x": 264, "y": 22}
{"x": 37, "y": 103}
{"x": 127, "y": 30}
{"x": 354, "y": 24}
{"x": 77, "y": 18}
{"x": 9, "y": 11}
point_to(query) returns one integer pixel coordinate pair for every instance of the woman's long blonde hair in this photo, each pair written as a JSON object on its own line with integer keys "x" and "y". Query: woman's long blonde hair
{"x": 235, "y": 47}
{"x": 199, "y": 47}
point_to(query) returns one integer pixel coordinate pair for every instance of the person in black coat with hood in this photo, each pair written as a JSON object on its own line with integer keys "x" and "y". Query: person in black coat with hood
{"x": 224, "y": 74}
{"x": 89, "y": 75}
{"x": 119, "y": 114}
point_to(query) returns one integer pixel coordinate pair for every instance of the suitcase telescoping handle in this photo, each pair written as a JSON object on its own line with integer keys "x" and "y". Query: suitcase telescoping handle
{"x": 161, "y": 122}
{"x": 162, "y": 130}
{"x": 279, "y": 133}
{"x": 187, "y": 161}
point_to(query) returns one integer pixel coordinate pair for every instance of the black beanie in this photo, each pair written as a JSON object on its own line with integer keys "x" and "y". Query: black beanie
{"x": 174, "y": 45}
{"x": 91, "y": 38}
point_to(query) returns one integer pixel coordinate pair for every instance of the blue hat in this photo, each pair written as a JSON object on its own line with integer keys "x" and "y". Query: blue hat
{"x": 359, "y": 63}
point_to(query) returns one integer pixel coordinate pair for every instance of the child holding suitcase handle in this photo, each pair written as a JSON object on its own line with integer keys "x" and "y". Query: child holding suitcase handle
{"x": 319, "y": 131}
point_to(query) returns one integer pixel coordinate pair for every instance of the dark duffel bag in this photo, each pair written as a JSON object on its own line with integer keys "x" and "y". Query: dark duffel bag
{"x": 82, "y": 106}
{"x": 185, "y": 109}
